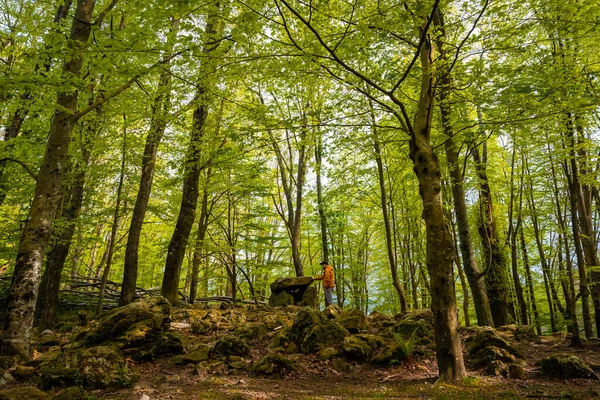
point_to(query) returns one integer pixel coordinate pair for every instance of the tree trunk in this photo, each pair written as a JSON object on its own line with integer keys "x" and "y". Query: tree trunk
{"x": 115, "y": 224}
{"x": 512, "y": 237}
{"x": 48, "y": 295}
{"x": 440, "y": 247}
{"x": 574, "y": 188}
{"x": 569, "y": 291}
{"x": 198, "y": 247}
{"x": 474, "y": 276}
{"x": 320, "y": 204}
{"x": 536, "y": 315}
{"x": 496, "y": 269}
{"x": 191, "y": 177}
{"x": 158, "y": 125}
{"x": 386, "y": 221}
{"x": 26, "y": 277}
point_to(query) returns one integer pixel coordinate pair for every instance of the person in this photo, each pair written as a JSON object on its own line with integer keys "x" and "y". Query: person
{"x": 328, "y": 282}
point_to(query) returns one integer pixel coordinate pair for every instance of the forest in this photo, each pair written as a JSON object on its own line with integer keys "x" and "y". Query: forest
{"x": 440, "y": 155}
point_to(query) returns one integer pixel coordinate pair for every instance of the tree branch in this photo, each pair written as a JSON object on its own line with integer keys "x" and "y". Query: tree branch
{"x": 22, "y": 164}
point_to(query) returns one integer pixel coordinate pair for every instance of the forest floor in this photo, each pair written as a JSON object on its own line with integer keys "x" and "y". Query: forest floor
{"x": 317, "y": 379}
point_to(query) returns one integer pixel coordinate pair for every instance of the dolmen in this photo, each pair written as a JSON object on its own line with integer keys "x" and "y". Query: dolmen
{"x": 287, "y": 291}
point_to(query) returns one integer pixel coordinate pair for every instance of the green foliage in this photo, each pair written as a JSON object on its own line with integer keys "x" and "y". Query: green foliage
{"x": 405, "y": 346}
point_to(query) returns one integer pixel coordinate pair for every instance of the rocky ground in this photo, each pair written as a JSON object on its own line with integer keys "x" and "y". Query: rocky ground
{"x": 222, "y": 351}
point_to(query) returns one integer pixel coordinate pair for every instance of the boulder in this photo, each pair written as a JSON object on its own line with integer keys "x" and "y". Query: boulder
{"x": 45, "y": 357}
{"x": 230, "y": 346}
{"x": 282, "y": 299}
{"x": 201, "y": 327}
{"x": 312, "y": 331}
{"x": 5, "y": 377}
{"x": 48, "y": 339}
{"x": 353, "y": 319}
{"x": 525, "y": 332}
{"x": 309, "y": 298}
{"x": 379, "y": 320}
{"x": 328, "y": 353}
{"x": 488, "y": 355}
{"x": 198, "y": 355}
{"x": 566, "y": 366}
{"x": 251, "y": 332}
{"x": 96, "y": 367}
{"x": 391, "y": 353}
{"x": 516, "y": 371}
{"x": 288, "y": 291}
{"x": 22, "y": 393}
{"x": 489, "y": 338}
{"x": 291, "y": 283}
{"x": 354, "y": 347}
{"x": 129, "y": 326}
{"x": 281, "y": 338}
{"x": 496, "y": 368}
{"x": 168, "y": 343}
{"x": 332, "y": 311}
{"x": 418, "y": 323}
{"x": 24, "y": 372}
{"x": 273, "y": 364}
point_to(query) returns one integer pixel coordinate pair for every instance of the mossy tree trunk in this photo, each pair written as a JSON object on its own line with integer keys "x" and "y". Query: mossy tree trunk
{"x": 32, "y": 247}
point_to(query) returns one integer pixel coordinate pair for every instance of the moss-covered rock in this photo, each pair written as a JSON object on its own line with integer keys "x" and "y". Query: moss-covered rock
{"x": 23, "y": 372}
{"x": 45, "y": 357}
{"x": 202, "y": 353}
{"x": 566, "y": 366}
{"x": 525, "y": 333}
{"x": 96, "y": 367}
{"x": 23, "y": 393}
{"x": 332, "y": 311}
{"x": 230, "y": 346}
{"x": 273, "y": 364}
{"x": 496, "y": 368}
{"x": 357, "y": 348}
{"x": 281, "y": 299}
{"x": 281, "y": 338}
{"x": 201, "y": 327}
{"x": 489, "y": 338}
{"x": 168, "y": 343}
{"x": 328, "y": 353}
{"x": 379, "y": 321}
{"x": 309, "y": 298}
{"x": 418, "y": 323}
{"x": 391, "y": 353}
{"x": 130, "y": 326}
{"x": 353, "y": 319}
{"x": 251, "y": 332}
{"x": 488, "y": 355}
{"x": 516, "y": 371}
{"x": 311, "y": 331}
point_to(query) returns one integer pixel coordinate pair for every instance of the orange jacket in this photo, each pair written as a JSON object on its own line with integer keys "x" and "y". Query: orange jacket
{"x": 327, "y": 277}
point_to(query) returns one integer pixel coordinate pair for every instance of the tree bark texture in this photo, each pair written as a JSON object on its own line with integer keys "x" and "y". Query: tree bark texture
{"x": 50, "y": 285}
{"x": 158, "y": 125}
{"x": 474, "y": 276}
{"x": 36, "y": 233}
{"x": 440, "y": 247}
{"x": 191, "y": 177}
{"x": 496, "y": 270}
{"x": 386, "y": 221}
